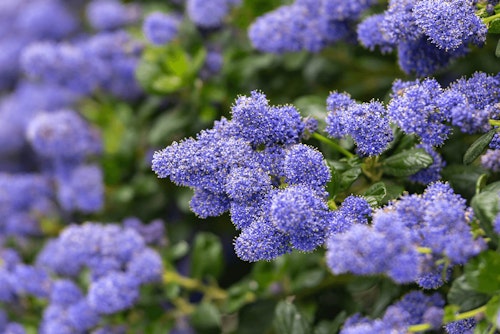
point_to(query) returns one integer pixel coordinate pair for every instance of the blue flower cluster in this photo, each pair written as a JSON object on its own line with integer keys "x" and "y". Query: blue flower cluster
{"x": 438, "y": 221}
{"x": 366, "y": 123}
{"x": 119, "y": 262}
{"x": 255, "y": 167}
{"x": 491, "y": 160}
{"x": 306, "y": 25}
{"x": 111, "y": 14}
{"x": 414, "y": 308}
{"x": 465, "y": 326}
{"x": 160, "y": 28}
{"x": 427, "y": 34}
{"x": 209, "y": 14}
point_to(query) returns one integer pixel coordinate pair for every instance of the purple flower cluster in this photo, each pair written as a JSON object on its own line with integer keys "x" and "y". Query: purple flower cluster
{"x": 414, "y": 308}
{"x": 306, "y": 25}
{"x": 119, "y": 262}
{"x": 160, "y": 28}
{"x": 437, "y": 220}
{"x": 111, "y": 14}
{"x": 209, "y": 14}
{"x": 255, "y": 166}
{"x": 427, "y": 34}
{"x": 366, "y": 123}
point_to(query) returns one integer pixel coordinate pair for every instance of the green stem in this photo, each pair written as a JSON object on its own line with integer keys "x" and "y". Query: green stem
{"x": 494, "y": 122}
{"x": 419, "y": 328}
{"x": 459, "y": 316}
{"x": 488, "y": 19}
{"x": 424, "y": 250}
{"x": 211, "y": 291}
{"x": 470, "y": 314}
{"x": 332, "y": 144}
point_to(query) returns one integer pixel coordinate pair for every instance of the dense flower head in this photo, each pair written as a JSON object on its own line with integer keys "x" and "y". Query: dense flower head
{"x": 63, "y": 135}
{"x": 300, "y": 213}
{"x": 438, "y": 219}
{"x": 450, "y": 23}
{"x": 366, "y": 123}
{"x": 303, "y": 25}
{"x": 160, "y": 28}
{"x": 110, "y": 14}
{"x": 65, "y": 292}
{"x": 208, "y": 14}
{"x": 370, "y": 34}
{"x": 23, "y": 197}
{"x": 491, "y": 160}
{"x": 342, "y": 10}
{"x": 261, "y": 241}
{"x": 465, "y": 326}
{"x": 152, "y": 233}
{"x": 250, "y": 165}
{"x": 113, "y": 292}
{"x": 413, "y": 108}
{"x": 354, "y": 210}
{"x": 412, "y": 309}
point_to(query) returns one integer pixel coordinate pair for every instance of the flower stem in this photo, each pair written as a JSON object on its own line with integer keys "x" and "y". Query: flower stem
{"x": 332, "y": 144}
{"x": 491, "y": 18}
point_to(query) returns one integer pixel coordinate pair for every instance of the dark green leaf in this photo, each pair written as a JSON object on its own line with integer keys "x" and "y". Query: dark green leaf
{"x": 485, "y": 205}
{"x": 288, "y": 320}
{"x": 375, "y": 194}
{"x": 329, "y": 327}
{"x": 463, "y": 178}
{"x": 307, "y": 279}
{"x": 407, "y": 162}
{"x": 497, "y": 50}
{"x": 477, "y": 148}
{"x": 348, "y": 177}
{"x": 463, "y": 295}
{"x": 206, "y": 319}
{"x": 256, "y": 317}
{"x": 483, "y": 273}
{"x": 206, "y": 258}
{"x": 494, "y": 27}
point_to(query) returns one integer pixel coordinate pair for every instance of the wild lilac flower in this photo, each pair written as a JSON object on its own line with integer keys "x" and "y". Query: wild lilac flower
{"x": 423, "y": 58}
{"x": 113, "y": 293}
{"x": 371, "y": 35}
{"x": 63, "y": 135}
{"x": 31, "y": 280}
{"x": 243, "y": 183}
{"x": 479, "y": 94}
{"x": 82, "y": 317}
{"x": 208, "y": 14}
{"x": 160, "y": 28}
{"x": 213, "y": 64}
{"x": 431, "y": 173}
{"x": 110, "y": 14}
{"x": 438, "y": 20}
{"x": 413, "y": 108}
{"x": 301, "y": 26}
{"x": 243, "y": 214}
{"x": 306, "y": 165}
{"x": 261, "y": 241}
{"x": 65, "y": 292}
{"x": 354, "y": 210}
{"x": 366, "y": 123}
{"x": 300, "y": 213}
{"x": 410, "y": 310}
{"x": 399, "y": 22}
{"x": 81, "y": 190}
{"x": 343, "y": 10}
{"x": 259, "y": 123}
{"x": 491, "y": 160}
{"x": 496, "y": 223}
{"x": 37, "y": 19}
{"x": 152, "y": 233}
{"x": 146, "y": 266}
{"x": 14, "y": 328}
{"x": 465, "y": 326}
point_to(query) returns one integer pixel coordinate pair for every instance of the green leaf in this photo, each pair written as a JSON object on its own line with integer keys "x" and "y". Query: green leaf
{"x": 307, "y": 279}
{"x": 375, "y": 194}
{"x": 146, "y": 73}
{"x": 497, "y": 50}
{"x": 176, "y": 61}
{"x": 492, "y": 309}
{"x": 485, "y": 206}
{"x": 477, "y": 148}
{"x": 206, "y": 319}
{"x": 463, "y": 295}
{"x": 288, "y": 320}
{"x": 494, "y": 27}
{"x": 167, "y": 84}
{"x": 407, "y": 162}
{"x": 348, "y": 177}
{"x": 449, "y": 313}
{"x": 329, "y": 327}
{"x": 206, "y": 258}
{"x": 256, "y": 317}
{"x": 483, "y": 273}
